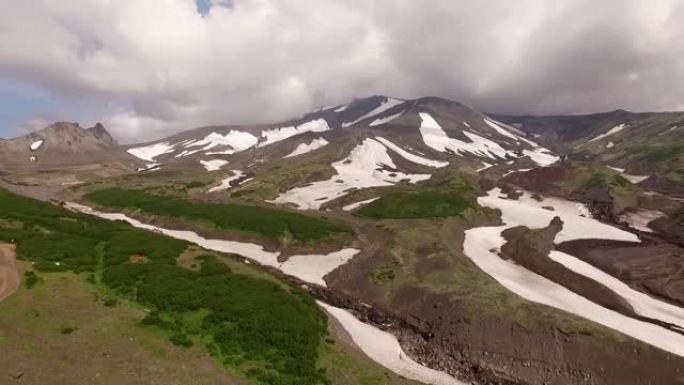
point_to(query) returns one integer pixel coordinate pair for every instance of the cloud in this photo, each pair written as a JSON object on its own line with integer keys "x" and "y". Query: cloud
{"x": 175, "y": 65}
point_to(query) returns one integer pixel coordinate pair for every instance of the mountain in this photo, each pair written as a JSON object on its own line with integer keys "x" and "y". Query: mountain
{"x": 433, "y": 127}
{"x": 495, "y": 249}
{"x": 60, "y": 145}
{"x": 639, "y": 143}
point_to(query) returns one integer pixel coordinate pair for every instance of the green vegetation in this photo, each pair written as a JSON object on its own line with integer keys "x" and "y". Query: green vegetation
{"x": 266, "y": 222}
{"x": 424, "y": 204}
{"x": 249, "y": 324}
{"x": 31, "y": 279}
{"x": 664, "y": 153}
{"x": 268, "y": 182}
{"x": 600, "y": 179}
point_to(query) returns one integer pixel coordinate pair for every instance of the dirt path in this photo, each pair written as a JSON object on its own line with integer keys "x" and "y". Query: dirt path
{"x": 9, "y": 277}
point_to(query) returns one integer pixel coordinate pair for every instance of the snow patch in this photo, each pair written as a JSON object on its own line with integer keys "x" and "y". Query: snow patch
{"x": 313, "y": 267}
{"x": 411, "y": 157}
{"x": 500, "y": 129}
{"x": 152, "y": 151}
{"x": 386, "y": 119}
{"x": 435, "y": 137}
{"x": 356, "y": 205}
{"x": 642, "y": 303}
{"x": 227, "y": 182}
{"x": 635, "y": 178}
{"x": 149, "y": 167}
{"x": 36, "y": 144}
{"x": 383, "y": 348}
{"x": 610, "y": 145}
{"x": 303, "y": 148}
{"x": 671, "y": 129}
{"x": 481, "y": 245}
{"x": 236, "y": 140}
{"x": 610, "y": 132}
{"x": 278, "y": 134}
{"x": 384, "y": 106}
{"x": 366, "y": 166}
{"x": 213, "y": 164}
{"x": 485, "y": 166}
{"x": 309, "y": 268}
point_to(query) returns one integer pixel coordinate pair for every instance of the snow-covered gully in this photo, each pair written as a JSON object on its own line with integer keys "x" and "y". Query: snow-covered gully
{"x": 482, "y": 244}
{"x": 380, "y": 346}
{"x": 383, "y": 348}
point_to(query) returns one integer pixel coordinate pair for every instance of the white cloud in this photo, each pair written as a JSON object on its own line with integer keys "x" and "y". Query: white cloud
{"x": 266, "y": 60}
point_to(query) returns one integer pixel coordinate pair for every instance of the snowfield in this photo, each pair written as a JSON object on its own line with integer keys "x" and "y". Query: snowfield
{"x": 610, "y": 132}
{"x": 383, "y": 348}
{"x": 386, "y": 105}
{"x": 226, "y": 183}
{"x": 304, "y": 148}
{"x": 213, "y": 164}
{"x": 482, "y": 244}
{"x": 642, "y": 303}
{"x": 236, "y": 141}
{"x": 411, "y": 157}
{"x": 386, "y": 119}
{"x": 539, "y": 154}
{"x": 36, "y": 144}
{"x": 577, "y": 223}
{"x": 435, "y": 137}
{"x": 500, "y": 129}
{"x": 310, "y": 268}
{"x": 152, "y": 151}
{"x": 313, "y": 267}
{"x": 366, "y": 166}
{"x": 356, "y": 205}
{"x": 278, "y": 134}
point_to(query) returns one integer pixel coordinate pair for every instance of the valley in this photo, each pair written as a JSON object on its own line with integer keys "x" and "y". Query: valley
{"x": 406, "y": 241}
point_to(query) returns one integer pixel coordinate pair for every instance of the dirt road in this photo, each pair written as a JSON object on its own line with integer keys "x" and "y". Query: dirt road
{"x": 9, "y": 277}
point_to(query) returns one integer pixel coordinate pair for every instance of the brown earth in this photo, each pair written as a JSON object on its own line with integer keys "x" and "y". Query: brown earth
{"x": 9, "y": 277}
{"x": 440, "y": 327}
{"x": 530, "y": 249}
{"x": 653, "y": 266}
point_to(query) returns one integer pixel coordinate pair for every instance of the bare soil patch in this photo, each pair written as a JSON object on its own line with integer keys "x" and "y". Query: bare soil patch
{"x": 9, "y": 277}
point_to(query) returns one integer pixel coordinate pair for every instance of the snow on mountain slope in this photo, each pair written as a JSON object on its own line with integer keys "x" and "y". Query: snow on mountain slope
{"x": 538, "y": 154}
{"x": 411, "y": 157}
{"x": 383, "y": 348}
{"x": 435, "y": 137}
{"x": 213, "y": 164}
{"x": 610, "y": 132}
{"x": 386, "y": 105}
{"x": 36, "y": 145}
{"x": 278, "y": 134}
{"x": 303, "y": 148}
{"x": 482, "y": 243}
{"x": 152, "y": 151}
{"x": 386, "y": 119}
{"x": 368, "y": 165}
{"x": 500, "y": 129}
{"x": 232, "y": 142}
{"x": 237, "y": 177}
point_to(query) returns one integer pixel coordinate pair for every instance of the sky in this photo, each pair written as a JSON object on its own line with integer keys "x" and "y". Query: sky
{"x": 148, "y": 69}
